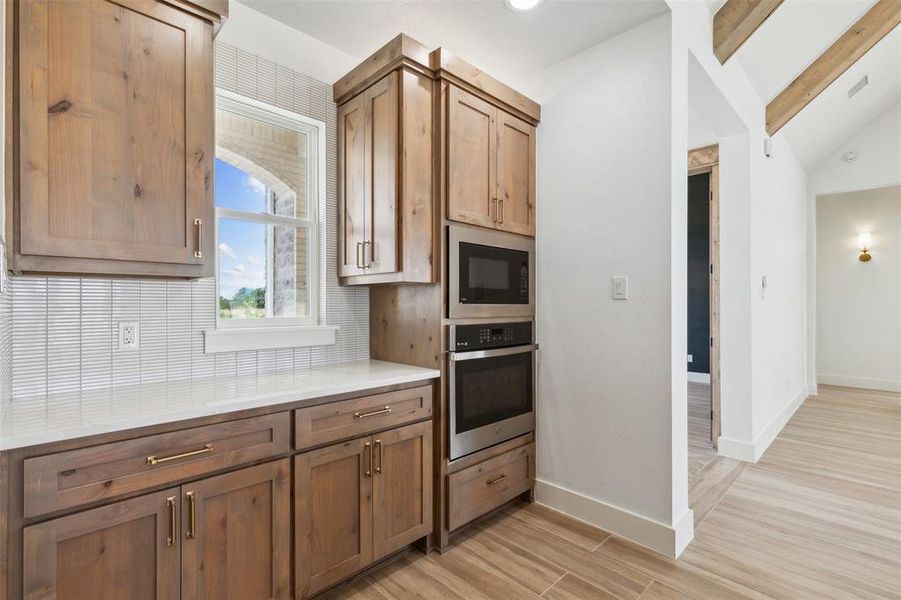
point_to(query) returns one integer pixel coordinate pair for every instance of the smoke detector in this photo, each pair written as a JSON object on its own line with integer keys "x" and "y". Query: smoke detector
{"x": 849, "y": 156}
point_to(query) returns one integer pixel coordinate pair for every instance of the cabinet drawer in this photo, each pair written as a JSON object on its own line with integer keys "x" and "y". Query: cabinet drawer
{"x": 66, "y": 479}
{"x": 327, "y": 423}
{"x": 483, "y": 487}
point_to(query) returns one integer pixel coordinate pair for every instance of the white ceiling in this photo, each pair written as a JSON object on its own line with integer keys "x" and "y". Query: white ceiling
{"x": 793, "y": 37}
{"x": 509, "y": 45}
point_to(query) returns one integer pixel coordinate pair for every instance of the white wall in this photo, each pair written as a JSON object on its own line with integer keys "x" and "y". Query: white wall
{"x": 859, "y": 304}
{"x": 763, "y": 233}
{"x": 605, "y": 376}
{"x": 878, "y": 164}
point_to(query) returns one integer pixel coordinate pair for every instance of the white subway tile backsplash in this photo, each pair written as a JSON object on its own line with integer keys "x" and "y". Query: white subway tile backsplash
{"x": 61, "y": 334}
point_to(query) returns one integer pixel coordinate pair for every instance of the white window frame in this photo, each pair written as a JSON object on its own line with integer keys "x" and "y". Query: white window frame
{"x": 274, "y": 332}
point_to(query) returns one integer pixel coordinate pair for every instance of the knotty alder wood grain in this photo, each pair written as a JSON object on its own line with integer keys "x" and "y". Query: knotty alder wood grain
{"x": 881, "y": 19}
{"x": 115, "y": 142}
{"x": 818, "y": 517}
{"x": 734, "y": 23}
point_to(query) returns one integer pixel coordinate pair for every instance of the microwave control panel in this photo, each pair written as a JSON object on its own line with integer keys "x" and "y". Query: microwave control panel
{"x": 494, "y": 335}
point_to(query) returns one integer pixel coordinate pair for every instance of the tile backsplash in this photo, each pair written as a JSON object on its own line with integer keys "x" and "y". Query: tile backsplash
{"x": 61, "y": 334}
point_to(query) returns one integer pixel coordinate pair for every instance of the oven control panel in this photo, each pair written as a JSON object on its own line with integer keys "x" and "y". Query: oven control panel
{"x": 494, "y": 335}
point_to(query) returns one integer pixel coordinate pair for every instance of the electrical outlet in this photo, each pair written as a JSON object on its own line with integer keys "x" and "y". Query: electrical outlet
{"x": 129, "y": 336}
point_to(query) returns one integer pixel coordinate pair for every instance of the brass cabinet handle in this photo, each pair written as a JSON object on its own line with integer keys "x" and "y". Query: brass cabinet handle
{"x": 359, "y": 253}
{"x": 497, "y": 209}
{"x": 503, "y": 210}
{"x": 191, "y": 532}
{"x": 367, "y": 459}
{"x": 173, "y": 534}
{"x": 367, "y": 264}
{"x": 378, "y": 455}
{"x": 153, "y": 459}
{"x": 497, "y": 479}
{"x": 198, "y": 223}
{"x": 381, "y": 411}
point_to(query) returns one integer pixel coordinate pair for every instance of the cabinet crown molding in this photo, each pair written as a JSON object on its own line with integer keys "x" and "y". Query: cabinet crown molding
{"x": 402, "y": 51}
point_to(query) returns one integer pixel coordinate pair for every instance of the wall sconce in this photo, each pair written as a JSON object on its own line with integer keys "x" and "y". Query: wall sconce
{"x": 864, "y": 242}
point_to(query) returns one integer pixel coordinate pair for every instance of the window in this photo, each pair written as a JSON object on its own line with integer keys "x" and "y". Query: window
{"x": 267, "y": 174}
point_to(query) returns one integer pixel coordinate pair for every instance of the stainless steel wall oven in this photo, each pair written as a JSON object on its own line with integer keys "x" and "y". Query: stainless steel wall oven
{"x": 491, "y": 384}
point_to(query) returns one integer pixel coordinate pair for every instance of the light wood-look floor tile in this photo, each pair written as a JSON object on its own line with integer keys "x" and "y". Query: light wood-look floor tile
{"x": 571, "y": 587}
{"x": 700, "y": 448}
{"x": 818, "y": 517}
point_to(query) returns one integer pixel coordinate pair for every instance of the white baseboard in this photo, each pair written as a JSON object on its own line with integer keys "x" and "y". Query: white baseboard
{"x": 652, "y": 534}
{"x": 699, "y": 377}
{"x": 752, "y": 451}
{"x": 867, "y": 383}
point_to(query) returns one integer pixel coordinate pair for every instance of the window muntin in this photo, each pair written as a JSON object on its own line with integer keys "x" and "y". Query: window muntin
{"x": 267, "y": 172}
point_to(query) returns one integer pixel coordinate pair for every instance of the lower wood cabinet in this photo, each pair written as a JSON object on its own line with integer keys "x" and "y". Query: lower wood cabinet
{"x": 125, "y": 550}
{"x": 237, "y": 535}
{"x": 358, "y": 501}
{"x": 222, "y": 537}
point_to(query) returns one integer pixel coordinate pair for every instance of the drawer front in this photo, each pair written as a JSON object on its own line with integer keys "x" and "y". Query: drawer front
{"x": 66, "y": 479}
{"x": 336, "y": 421}
{"x": 481, "y": 488}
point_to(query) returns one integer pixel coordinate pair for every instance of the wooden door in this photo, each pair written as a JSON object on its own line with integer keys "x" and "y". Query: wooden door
{"x": 351, "y": 185}
{"x": 471, "y": 159}
{"x": 382, "y": 108}
{"x": 237, "y": 534}
{"x": 116, "y": 132}
{"x": 515, "y": 174}
{"x": 401, "y": 487}
{"x": 333, "y": 514}
{"x": 129, "y": 549}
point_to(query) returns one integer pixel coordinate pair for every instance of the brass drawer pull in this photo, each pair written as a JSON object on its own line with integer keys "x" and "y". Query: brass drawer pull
{"x": 173, "y": 534}
{"x": 198, "y": 223}
{"x": 192, "y": 506}
{"x": 381, "y": 411}
{"x": 497, "y": 479}
{"x": 378, "y": 454}
{"x": 156, "y": 460}
{"x": 367, "y": 459}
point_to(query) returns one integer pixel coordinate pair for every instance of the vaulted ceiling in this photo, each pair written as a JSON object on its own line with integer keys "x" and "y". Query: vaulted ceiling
{"x": 793, "y": 36}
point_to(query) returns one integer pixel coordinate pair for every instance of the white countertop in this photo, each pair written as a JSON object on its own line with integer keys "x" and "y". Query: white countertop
{"x": 56, "y": 417}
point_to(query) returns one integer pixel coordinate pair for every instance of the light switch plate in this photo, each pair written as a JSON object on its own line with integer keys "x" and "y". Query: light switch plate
{"x": 691, "y": 358}
{"x": 620, "y": 287}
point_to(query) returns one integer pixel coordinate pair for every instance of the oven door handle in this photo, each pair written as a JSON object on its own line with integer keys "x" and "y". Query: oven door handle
{"x": 458, "y": 356}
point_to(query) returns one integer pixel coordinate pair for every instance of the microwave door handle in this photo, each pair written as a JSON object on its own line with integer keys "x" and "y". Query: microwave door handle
{"x": 459, "y": 356}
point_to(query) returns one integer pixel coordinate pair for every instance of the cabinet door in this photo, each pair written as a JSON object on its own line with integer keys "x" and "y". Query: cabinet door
{"x": 351, "y": 186}
{"x": 515, "y": 174}
{"x": 382, "y": 107}
{"x": 237, "y": 534}
{"x": 333, "y": 514}
{"x": 401, "y": 487}
{"x": 116, "y": 133}
{"x": 471, "y": 159}
{"x": 124, "y": 550}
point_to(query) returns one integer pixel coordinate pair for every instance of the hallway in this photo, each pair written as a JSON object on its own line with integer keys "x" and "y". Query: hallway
{"x": 818, "y": 517}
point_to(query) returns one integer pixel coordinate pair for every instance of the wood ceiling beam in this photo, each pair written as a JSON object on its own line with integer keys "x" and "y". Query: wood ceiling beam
{"x": 734, "y": 23}
{"x": 878, "y": 22}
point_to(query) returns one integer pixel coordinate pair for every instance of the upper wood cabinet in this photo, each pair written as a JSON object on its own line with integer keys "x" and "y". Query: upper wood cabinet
{"x": 385, "y": 185}
{"x": 114, "y": 115}
{"x": 491, "y": 165}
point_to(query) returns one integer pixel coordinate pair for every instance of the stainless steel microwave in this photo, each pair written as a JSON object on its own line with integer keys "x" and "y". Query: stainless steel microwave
{"x": 490, "y": 273}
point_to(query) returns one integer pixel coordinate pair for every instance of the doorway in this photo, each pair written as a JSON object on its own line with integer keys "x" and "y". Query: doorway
{"x": 703, "y": 353}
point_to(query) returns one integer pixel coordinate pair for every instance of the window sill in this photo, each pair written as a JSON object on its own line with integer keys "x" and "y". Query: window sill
{"x": 262, "y": 338}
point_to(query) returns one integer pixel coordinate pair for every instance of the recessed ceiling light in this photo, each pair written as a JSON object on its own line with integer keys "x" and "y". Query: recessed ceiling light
{"x": 523, "y": 5}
